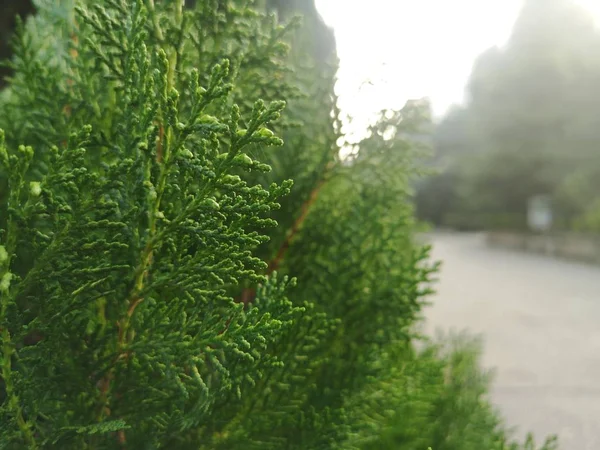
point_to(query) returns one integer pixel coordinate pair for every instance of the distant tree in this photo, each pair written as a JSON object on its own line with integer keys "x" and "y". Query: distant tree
{"x": 532, "y": 116}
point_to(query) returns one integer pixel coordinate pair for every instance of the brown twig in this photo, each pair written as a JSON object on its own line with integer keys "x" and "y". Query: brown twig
{"x": 248, "y": 294}
{"x": 123, "y": 325}
{"x": 276, "y": 262}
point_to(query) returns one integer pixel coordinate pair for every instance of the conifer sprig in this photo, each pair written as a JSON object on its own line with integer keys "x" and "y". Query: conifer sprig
{"x": 162, "y": 216}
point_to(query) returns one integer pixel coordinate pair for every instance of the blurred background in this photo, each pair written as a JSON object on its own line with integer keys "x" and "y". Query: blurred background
{"x": 513, "y": 186}
{"x": 513, "y": 87}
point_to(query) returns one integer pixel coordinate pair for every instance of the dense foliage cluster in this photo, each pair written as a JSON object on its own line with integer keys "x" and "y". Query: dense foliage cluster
{"x": 163, "y": 281}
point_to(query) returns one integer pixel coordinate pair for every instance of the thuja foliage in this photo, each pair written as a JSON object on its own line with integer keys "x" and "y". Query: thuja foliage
{"x": 165, "y": 284}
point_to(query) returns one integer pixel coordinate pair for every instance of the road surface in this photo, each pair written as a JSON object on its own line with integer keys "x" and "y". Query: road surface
{"x": 540, "y": 322}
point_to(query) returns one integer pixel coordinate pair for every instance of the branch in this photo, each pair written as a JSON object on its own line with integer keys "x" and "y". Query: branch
{"x": 275, "y": 262}
{"x": 248, "y": 294}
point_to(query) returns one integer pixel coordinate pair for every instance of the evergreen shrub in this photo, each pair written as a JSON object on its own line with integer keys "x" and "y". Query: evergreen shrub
{"x": 174, "y": 274}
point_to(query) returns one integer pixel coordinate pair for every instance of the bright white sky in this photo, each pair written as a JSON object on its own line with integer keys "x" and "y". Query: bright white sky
{"x": 412, "y": 49}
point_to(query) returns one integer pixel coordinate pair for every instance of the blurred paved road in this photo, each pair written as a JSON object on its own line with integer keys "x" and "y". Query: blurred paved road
{"x": 540, "y": 320}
